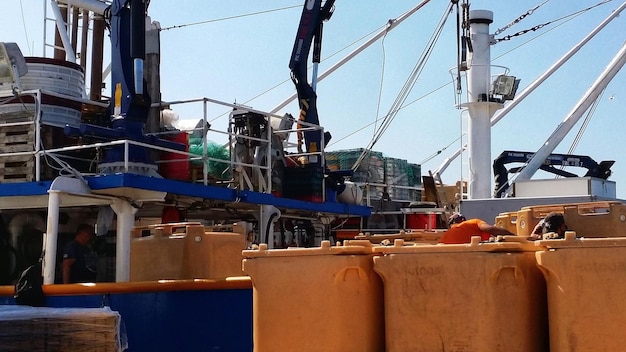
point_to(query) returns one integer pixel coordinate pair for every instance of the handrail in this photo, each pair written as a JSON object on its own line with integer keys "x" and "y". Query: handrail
{"x": 230, "y": 283}
{"x": 260, "y": 169}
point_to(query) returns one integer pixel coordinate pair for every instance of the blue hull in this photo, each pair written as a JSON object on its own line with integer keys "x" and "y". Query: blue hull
{"x": 185, "y": 320}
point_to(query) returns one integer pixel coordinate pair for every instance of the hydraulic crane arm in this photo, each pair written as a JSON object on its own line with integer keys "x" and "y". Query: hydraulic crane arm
{"x": 127, "y": 22}
{"x": 600, "y": 170}
{"x": 309, "y": 32}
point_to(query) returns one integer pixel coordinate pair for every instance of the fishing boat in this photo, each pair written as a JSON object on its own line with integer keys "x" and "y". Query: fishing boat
{"x": 173, "y": 211}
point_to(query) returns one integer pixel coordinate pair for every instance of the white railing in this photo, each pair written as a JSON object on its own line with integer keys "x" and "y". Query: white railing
{"x": 262, "y": 171}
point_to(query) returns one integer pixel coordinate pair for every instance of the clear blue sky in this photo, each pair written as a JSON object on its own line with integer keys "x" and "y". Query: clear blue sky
{"x": 238, "y": 59}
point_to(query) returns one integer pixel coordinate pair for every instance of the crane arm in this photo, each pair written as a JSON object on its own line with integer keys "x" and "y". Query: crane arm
{"x": 309, "y": 33}
{"x": 600, "y": 170}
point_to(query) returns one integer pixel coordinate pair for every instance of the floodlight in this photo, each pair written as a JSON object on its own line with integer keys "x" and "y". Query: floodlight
{"x": 503, "y": 85}
{"x": 12, "y": 64}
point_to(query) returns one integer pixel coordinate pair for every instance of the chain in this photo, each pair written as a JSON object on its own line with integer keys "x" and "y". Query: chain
{"x": 508, "y": 37}
{"x": 520, "y": 18}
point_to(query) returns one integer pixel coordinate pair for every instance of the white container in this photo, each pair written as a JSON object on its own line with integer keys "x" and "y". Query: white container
{"x": 57, "y": 76}
{"x": 569, "y": 186}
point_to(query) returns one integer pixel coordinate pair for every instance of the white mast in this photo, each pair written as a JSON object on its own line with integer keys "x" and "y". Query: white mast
{"x": 479, "y": 106}
{"x": 531, "y": 87}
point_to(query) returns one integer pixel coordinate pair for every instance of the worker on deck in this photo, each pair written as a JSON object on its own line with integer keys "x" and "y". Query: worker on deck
{"x": 78, "y": 260}
{"x": 461, "y": 230}
{"x": 554, "y": 225}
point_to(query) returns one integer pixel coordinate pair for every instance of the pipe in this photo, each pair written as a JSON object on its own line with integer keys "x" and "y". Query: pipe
{"x": 70, "y": 55}
{"x": 97, "y": 54}
{"x": 52, "y": 233}
{"x": 268, "y": 214}
{"x": 125, "y": 220}
{"x": 91, "y": 5}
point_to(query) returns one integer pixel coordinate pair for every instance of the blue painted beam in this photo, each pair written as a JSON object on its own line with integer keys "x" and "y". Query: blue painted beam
{"x": 24, "y": 188}
{"x": 161, "y": 185}
{"x": 103, "y": 182}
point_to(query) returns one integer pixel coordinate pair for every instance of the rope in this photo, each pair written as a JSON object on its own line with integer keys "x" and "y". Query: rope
{"x": 30, "y": 50}
{"x": 289, "y": 79}
{"x": 403, "y": 106}
{"x": 406, "y": 89}
{"x": 228, "y": 18}
{"x": 585, "y": 123}
{"x": 432, "y": 156}
{"x": 366, "y": 154}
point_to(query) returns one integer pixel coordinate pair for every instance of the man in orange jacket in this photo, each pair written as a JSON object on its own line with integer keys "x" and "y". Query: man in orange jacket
{"x": 461, "y": 230}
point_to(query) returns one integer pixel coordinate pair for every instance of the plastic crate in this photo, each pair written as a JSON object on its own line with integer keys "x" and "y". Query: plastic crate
{"x": 184, "y": 251}
{"x": 316, "y": 299}
{"x": 586, "y": 290}
{"x": 508, "y": 221}
{"x": 593, "y": 219}
{"x": 474, "y": 297}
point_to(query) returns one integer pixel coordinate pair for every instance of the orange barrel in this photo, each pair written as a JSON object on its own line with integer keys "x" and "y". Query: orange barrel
{"x": 316, "y": 299}
{"x": 586, "y": 290}
{"x": 463, "y": 297}
{"x": 184, "y": 251}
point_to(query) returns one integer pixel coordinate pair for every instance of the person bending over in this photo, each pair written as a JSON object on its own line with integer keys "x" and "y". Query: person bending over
{"x": 461, "y": 230}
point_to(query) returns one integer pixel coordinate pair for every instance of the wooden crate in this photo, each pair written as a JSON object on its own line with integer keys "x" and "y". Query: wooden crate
{"x": 18, "y": 168}
{"x": 22, "y": 138}
{"x": 19, "y": 138}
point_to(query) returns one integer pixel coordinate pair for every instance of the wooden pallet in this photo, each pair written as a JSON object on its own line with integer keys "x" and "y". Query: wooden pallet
{"x": 20, "y": 138}
{"x": 17, "y": 116}
{"x": 19, "y": 168}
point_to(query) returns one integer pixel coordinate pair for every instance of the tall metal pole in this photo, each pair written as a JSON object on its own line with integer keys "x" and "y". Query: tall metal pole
{"x": 537, "y": 82}
{"x": 52, "y": 233}
{"x": 84, "y": 40}
{"x": 479, "y": 107}
{"x": 125, "y": 220}
{"x": 97, "y": 54}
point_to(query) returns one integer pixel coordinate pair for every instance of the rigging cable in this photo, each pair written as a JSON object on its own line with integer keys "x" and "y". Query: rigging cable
{"x": 403, "y": 106}
{"x": 406, "y": 89}
{"x": 25, "y": 31}
{"x": 380, "y": 94}
{"x": 536, "y": 37}
{"x": 459, "y": 50}
{"x": 429, "y": 158}
{"x": 585, "y": 123}
{"x": 229, "y": 18}
{"x": 289, "y": 79}
{"x": 539, "y": 26}
{"x": 334, "y": 141}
